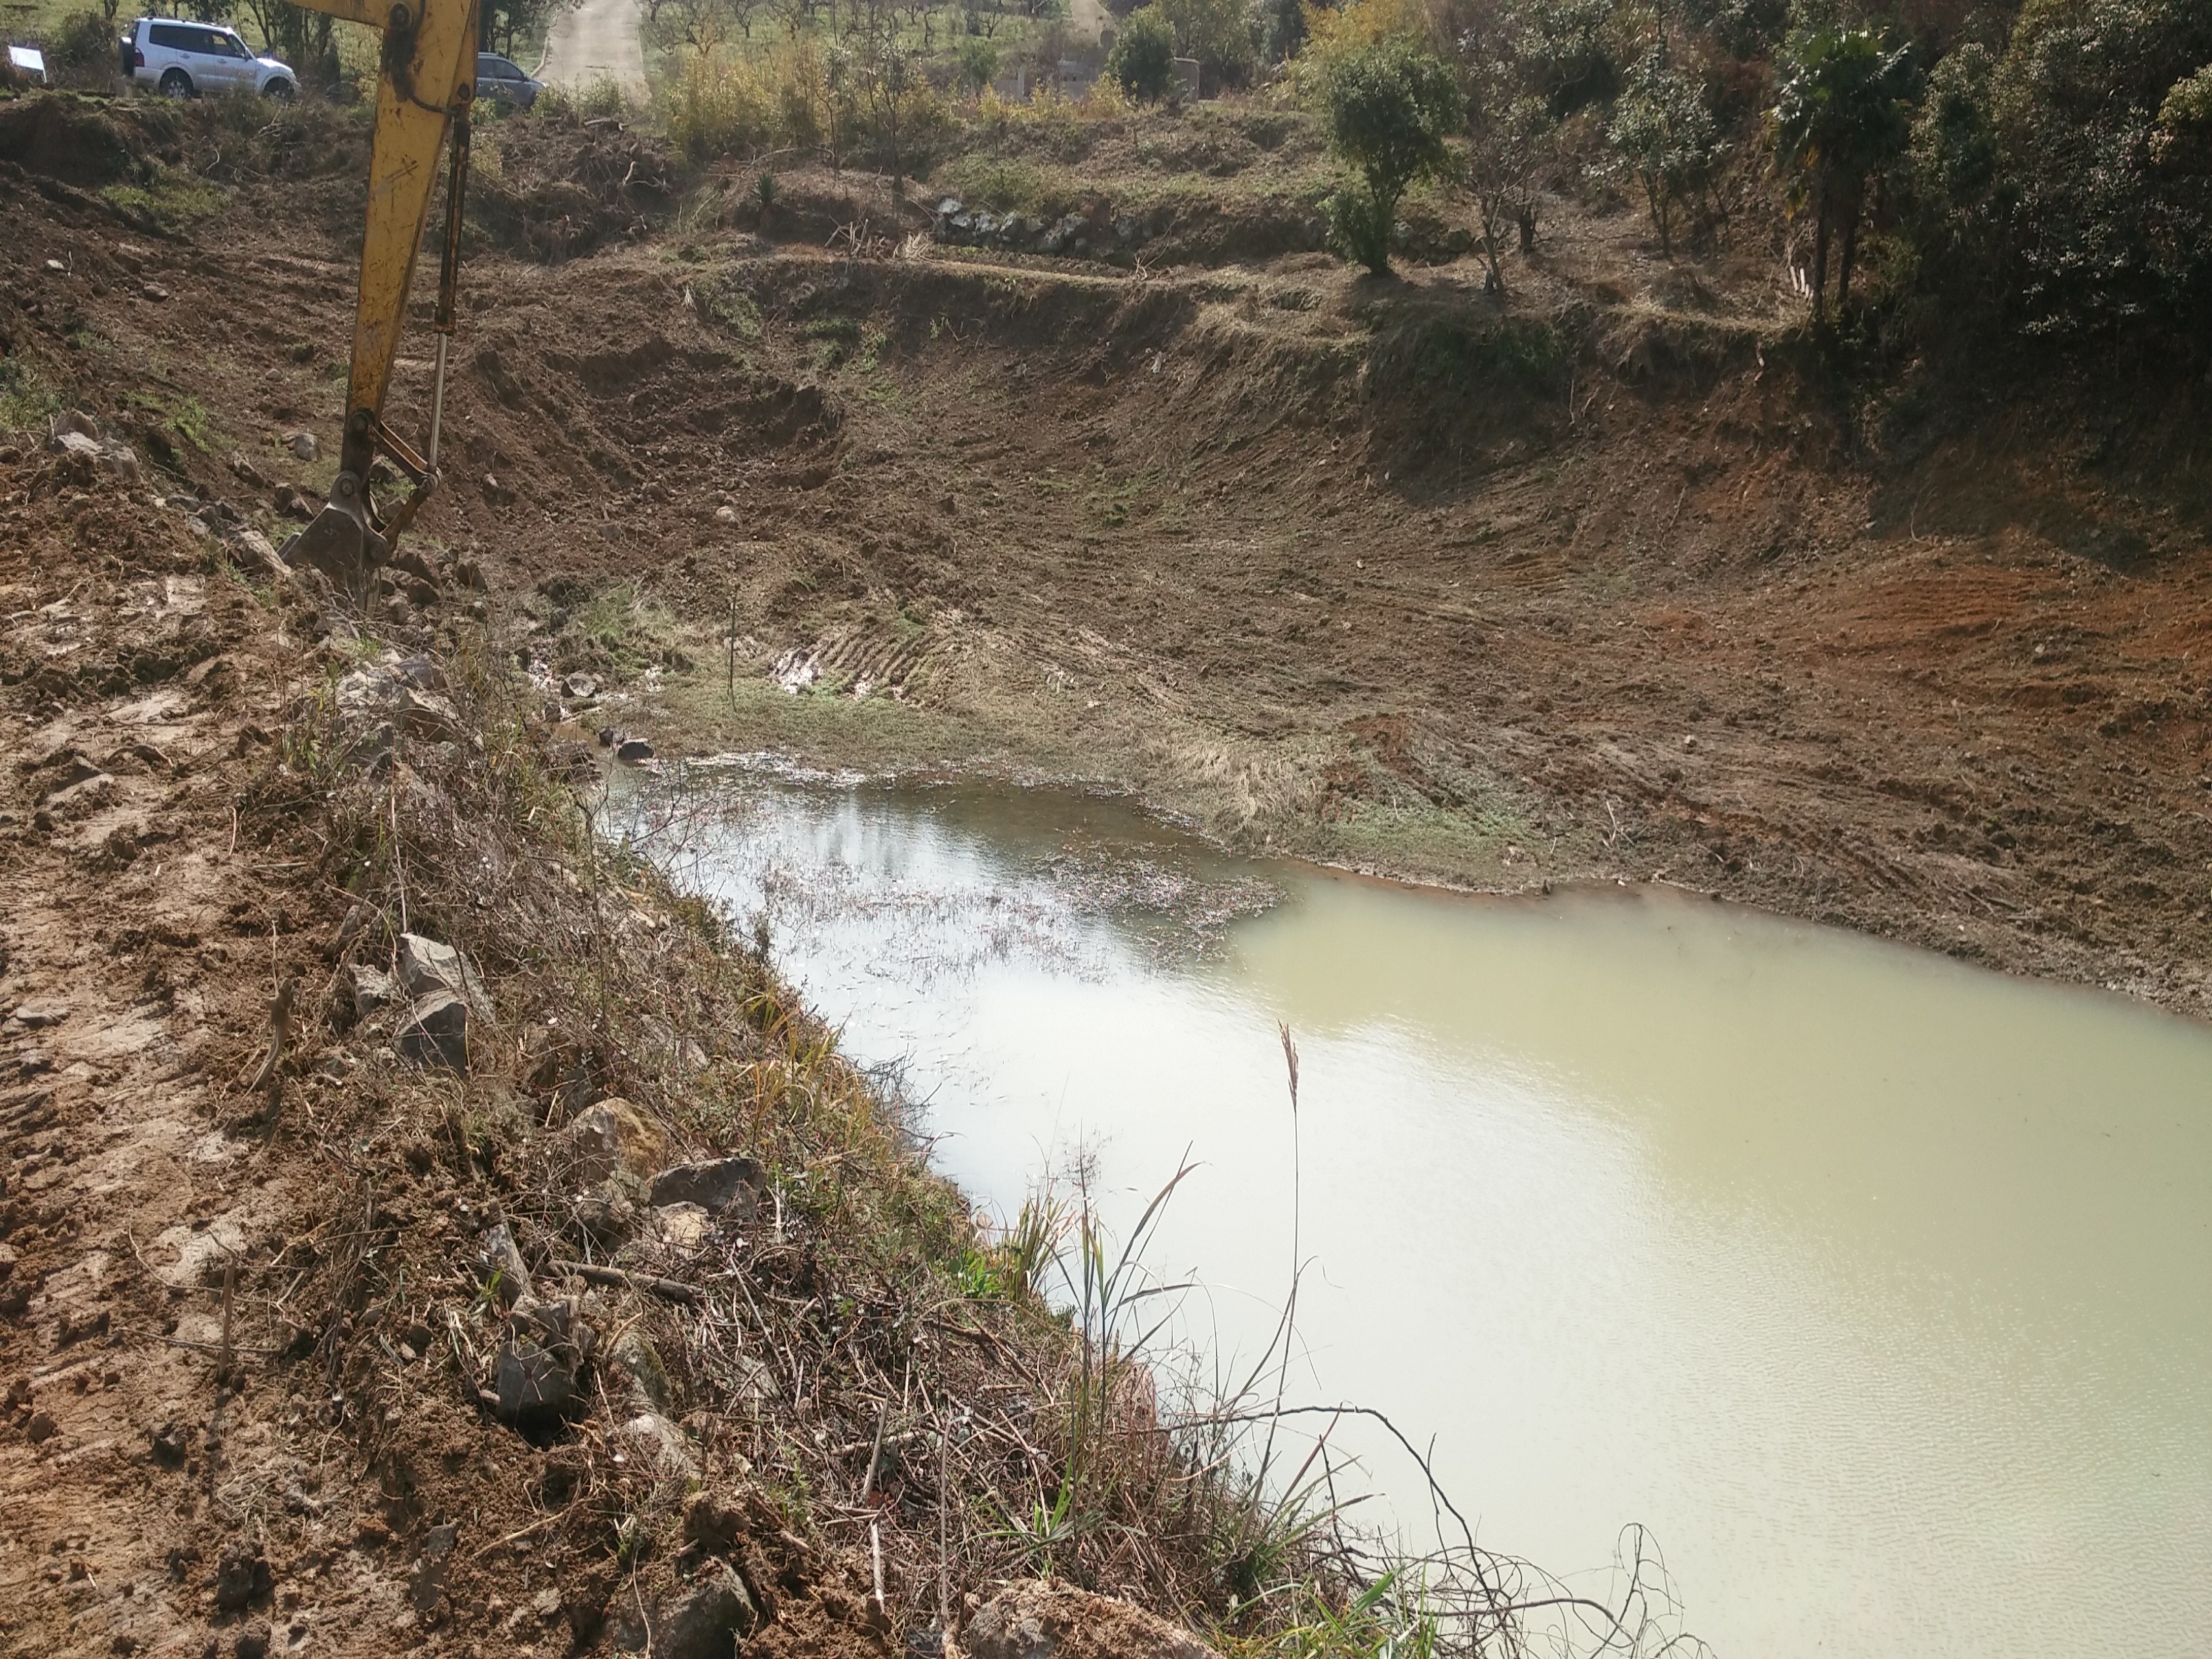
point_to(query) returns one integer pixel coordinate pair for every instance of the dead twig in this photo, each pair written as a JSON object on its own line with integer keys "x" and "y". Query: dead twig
{"x": 672, "y": 1290}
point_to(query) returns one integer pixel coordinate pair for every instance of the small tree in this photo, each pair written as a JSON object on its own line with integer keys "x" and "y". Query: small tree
{"x": 1221, "y": 35}
{"x": 1143, "y": 58}
{"x": 979, "y": 63}
{"x": 1662, "y": 129}
{"x": 1843, "y": 114}
{"x": 1510, "y": 130}
{"x": 1389, "y": 106}
{"x": 888, "y": 81}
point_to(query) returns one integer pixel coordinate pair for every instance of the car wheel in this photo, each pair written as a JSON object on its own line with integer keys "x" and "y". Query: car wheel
{"x": 175, "y": 83}
{"x": 280, "y": 91}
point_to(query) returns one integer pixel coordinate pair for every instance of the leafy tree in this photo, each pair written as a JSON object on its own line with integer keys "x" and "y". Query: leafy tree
{"x": 1388, "y": 106}
{"x": 1568, "y": 59}
{"x": 1143, "y": 57}
{"x": 1664, "y": 131}
{"x": 1954, "y": 208}
{"x": 1510, "y": 130}
{"x": 1843, "y": 114}
{"x": 1218, "y": 33}
{"x": 979, "y": 63}
{"x": 2108, "y": 208}
{"x": 501, "y": 24}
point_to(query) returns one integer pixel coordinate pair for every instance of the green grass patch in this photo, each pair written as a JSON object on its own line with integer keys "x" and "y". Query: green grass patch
{"x": 172, "y": 203}
{"x": 26, "y": 399}
{"x": 1006, "y": 186}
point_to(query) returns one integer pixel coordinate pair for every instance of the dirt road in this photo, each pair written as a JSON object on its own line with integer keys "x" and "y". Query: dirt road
{"x": 596, "y": 42}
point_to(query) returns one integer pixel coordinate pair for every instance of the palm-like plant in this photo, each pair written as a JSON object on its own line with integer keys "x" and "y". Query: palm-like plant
{"x": 1843, "y": 114}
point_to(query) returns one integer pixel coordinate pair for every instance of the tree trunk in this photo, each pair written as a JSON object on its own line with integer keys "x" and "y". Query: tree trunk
{"x": 1527, "y": 218}
{"x": 1492, "y": 210}
{"x": 1848, "y": 251}
{"x": 1819, "y": 247}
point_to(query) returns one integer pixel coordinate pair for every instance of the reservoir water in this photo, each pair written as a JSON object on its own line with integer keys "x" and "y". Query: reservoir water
{"x": 1878, "y": 1288}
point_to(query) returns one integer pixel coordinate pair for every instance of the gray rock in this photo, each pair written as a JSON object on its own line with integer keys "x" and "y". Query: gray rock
{"x": 1037, "y": 1619}
{"x": 612, "y": 1136}
{"x": 706, "y": 1621}
{"x": 425, "y": 965}
{"x": 682, "y": 1227}
{"x": 550, "y": 1321}
{"x": 657, "y": 1447}
{"x": 116, "y": 457}
{"x": 607, "y": 1216}
{"x": 638, "y": 1363}
{"x": 436, "y": 1032}
{"x": 260, "y": 553}
{"x": 373, "y": 989}
{"x": 534, "y": 1384}
{"x": 583, "y": 687}
{"x": 632, "y": 750}
{"x": 729, "y": 1188}
{"x": 303, "y": 445}
{"x": 503, "y": 1266}
{"x": 399, "y": 690}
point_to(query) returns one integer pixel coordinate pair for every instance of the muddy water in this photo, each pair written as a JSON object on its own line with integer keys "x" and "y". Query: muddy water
{"x": 1879, "y": 1289}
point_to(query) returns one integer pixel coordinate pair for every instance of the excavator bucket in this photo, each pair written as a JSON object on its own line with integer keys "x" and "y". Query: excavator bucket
{"x": 339, "y": 543}
{"x": 424, "y": 90}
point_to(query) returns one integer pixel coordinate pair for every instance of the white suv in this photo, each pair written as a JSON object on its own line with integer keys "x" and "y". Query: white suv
{"x": 186, "y": 59}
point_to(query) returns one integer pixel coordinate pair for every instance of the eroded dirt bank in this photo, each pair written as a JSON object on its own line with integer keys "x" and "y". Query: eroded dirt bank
{"x": 1619, "y": 581}
{"x": 1588, "y": 588}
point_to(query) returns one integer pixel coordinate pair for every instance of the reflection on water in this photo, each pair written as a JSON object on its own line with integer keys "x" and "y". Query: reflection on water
{"x": 1879, "y": 1287}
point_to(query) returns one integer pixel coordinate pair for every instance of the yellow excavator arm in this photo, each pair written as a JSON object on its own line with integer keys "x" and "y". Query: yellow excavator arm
{"x": 425, "y": 86}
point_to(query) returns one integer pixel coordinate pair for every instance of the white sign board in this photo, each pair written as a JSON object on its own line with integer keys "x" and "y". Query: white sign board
{"x": 29, "y": 60}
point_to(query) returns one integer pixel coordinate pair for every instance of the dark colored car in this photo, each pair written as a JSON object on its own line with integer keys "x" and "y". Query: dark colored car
{"x": 501, "y": 78}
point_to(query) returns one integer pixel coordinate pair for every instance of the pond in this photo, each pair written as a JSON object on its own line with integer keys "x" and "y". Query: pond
{"x": 1877, "y": 1287}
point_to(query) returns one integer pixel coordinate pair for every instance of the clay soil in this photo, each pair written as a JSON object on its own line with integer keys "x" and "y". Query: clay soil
{"x": 1620, "y": 580}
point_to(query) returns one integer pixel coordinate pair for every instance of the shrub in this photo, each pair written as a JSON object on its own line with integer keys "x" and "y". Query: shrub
{"x": 1389, "y": 106}
{"x": 719, "y": 105}
{"x": 979, "y": 63}
{"x": 84, "y": 51}
{"x": 1142, "y": 61}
